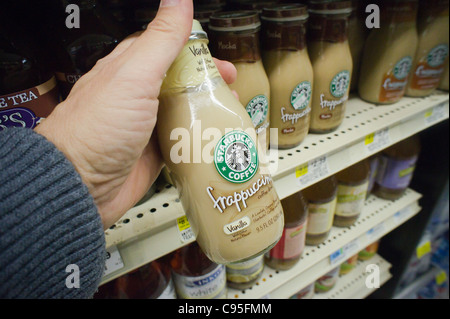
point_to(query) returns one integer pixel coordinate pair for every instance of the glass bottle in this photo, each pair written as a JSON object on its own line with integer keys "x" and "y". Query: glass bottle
{"x": 443, "y": 85}
{"x": 327, "y": 281}
{"x": 28, "y": 89}
{"x": 290, "y": 73}
{"x": 322, "y": 198}
{"x": 79, "y": 49}
{"x": 327, "y": 44}
{"x": 196, "y": 276}
{"x": 353, "y": 183}
{"x": 289, "y": 249}
{"x": 225, "y": 188}
{"x": 432, "y": 51}
{"x": 368, "y": 252}
{"x": 396, "y": 168}
{"x": 245, "y": 274}
{"x": 357, "y": 34}
{"x": 234, "y": 37}
{"x": 388, "y": 53}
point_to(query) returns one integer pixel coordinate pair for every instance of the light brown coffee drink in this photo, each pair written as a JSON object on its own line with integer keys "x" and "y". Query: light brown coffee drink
{"x": 208, "y": 142}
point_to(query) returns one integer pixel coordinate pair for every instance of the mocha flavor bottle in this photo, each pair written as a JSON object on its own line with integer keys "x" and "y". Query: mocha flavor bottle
{"x": 209, "y": 144}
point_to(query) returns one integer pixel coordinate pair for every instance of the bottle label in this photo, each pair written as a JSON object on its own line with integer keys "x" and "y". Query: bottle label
{"x": 245, "y": 271}
{"x": 339, "y": 89}
{"x": 169, "y": 292}
{"x": 395, "y": 174}
{"x": 28, "y": 107}
{"x": 257, "y": 109}
{"x": 428, "y": 72}
{"x": 320, "y": 218}
{"x": 327, "y": 281}
{"x": 67, "y": 81}
{"x": 301, "y": 96}
{"x": 394, "y": 81}
{"x": 209, "y": 286}
{"x": 339, "y": 84}
{"x": 306, "y": 293}
{"x": 350, "y": 199}
{"x": 291, "y": 244}
{"x": 236, "y": 157}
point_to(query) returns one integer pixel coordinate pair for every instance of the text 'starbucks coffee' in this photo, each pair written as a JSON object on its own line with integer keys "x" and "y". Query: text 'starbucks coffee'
{"x": 235, "y": 38}
{"x": 225, "y": 188}
{"x": 290, "y": 72}
{"x": 328, "y": 43}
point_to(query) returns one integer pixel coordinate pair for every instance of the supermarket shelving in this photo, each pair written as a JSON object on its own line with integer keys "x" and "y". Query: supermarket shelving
{"x": 418, "y": 283}
{"x": 150, "y": 231}
{"x": 353, "y": 284}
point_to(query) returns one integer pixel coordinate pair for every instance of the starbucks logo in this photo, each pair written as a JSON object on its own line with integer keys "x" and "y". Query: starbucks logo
{"x": 340, "y": 83}
{"x": 301, "y": 95}
{"x": 257, "y": 108}
{"x": 437, "y": 55}
{"x": 236, "y": 157}
{"x": 402, "y": 68}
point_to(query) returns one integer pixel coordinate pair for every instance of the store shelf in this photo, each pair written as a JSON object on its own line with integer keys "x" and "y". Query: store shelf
{"x": 420, "y": 282}
{"x": 353, "y": 285}
{"x": 379, "y": 217}
{"x": 149, "y": 231}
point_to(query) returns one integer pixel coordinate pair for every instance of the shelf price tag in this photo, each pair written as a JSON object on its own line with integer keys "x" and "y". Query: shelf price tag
{"x": 436, "y": 114}
{"x": 441, "y": 278}
{"x": 113, "y": 261}
{"x": 347, "y": 251}
{"x": 184, "y": 229}
{"x": 423, "y": 249}
{"x": 403, "y": 214}
{"x": 337, "y": 256}
{"x": 377, "y": 141}
{"x": 376, "y": 232}
{"x": 311, "y": 172}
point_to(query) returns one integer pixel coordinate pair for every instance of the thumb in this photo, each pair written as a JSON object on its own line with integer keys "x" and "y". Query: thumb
{"x": 155, "y": 50}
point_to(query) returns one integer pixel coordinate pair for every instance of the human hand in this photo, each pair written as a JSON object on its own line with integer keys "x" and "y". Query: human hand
{"x": 105, "y": 126}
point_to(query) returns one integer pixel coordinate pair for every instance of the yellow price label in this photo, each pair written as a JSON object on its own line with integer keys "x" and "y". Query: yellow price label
{"x": 369, "y": 139}
{"x": 183, "y": 223}
{"x": 301, "y": 170}
{"x": 441, "y": 278}
{"x": 423, "y": 249}
{"x": 429, "y": 113}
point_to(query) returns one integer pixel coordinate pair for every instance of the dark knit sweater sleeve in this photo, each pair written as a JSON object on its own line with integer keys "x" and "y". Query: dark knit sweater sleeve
{"x": 48, "y": 221}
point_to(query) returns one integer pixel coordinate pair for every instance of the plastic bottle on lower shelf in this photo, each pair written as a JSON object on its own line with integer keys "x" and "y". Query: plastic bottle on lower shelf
{"x": 288, "y": 250}
{"x": 397, "y": 164}
{"x": 243, "y": 275}
{"x": 348, "y": 265}
{"x": 305, "y": 293}
{"x": 353, "y": 183}
{"x": 368, "y": 252}
{"x": 327, "y": 281}
{"x": 197, "y": 277}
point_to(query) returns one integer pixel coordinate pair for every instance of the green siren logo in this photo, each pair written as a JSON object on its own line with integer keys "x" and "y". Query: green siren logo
{"x": 301, "y": 96}
{"x": 236, "y": 157}
{"x": 340, "y": 83}
{"x": 402, "y": 68}
{"x": 257, "y": 108}
{"x": 437, "y": 55}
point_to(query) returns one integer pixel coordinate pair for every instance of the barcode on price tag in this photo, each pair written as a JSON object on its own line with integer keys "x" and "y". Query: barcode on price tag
{"x": 377, "y": 141}
{"x": 313, "y": 171}
{"x": 184, "y": 229}
{"x": 113, "y": 261}
{"x": 436, "y": 114}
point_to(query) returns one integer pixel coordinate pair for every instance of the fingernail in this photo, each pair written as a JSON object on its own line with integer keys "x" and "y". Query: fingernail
{"x": 169, "y": 3}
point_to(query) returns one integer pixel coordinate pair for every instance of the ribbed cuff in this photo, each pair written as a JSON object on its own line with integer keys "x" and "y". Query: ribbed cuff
{"x": 48, "y": 221}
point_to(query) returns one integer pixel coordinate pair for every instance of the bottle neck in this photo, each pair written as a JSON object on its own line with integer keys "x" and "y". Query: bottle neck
{"x": 236, "y": 47}
{"x": 284, "y": 36}
{"x": 193, "y": 67}
{"x": 328, "y": 28}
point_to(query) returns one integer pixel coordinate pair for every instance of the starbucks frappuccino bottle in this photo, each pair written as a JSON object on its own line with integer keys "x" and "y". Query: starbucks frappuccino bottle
{"x": 234, "y": 37}
{"x": 290, "y": 73}
{"x": 322, "y": 198}
{"x": 332, "y": 63}
{"x": 208, "y": 142}
{"x": 432, "y": 51}
{"x": 388, "y": 53}
{"x": 443, "y": 85}
{"x": 353, "y": 183}
{"x": 357, "y": 34}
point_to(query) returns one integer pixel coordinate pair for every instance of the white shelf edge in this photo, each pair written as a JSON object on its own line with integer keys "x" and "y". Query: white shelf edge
{"x": 380, "y": 215}
{"x": 353, "y": 286}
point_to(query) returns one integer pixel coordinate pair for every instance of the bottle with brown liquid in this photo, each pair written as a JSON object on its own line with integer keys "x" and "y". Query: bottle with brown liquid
{"x": 196, "y": 276}
{"x": 79, "y": 49}
{"x": 290, "y": 73}
{"x": 396, "y": 168}
{"x": 322, "y": 198}
{"x": 432, "y": 51}
{"x": 388, "y": 53}
{"x": 357, "y": 34}
{"x": 353, "y": 183}
{"x": 289, "y": 249}
{"x": 235, "y": 37}
{"x": 28, "y": 89}
{"x": 209, "y": 144}
{"x": 327, "y": 44}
